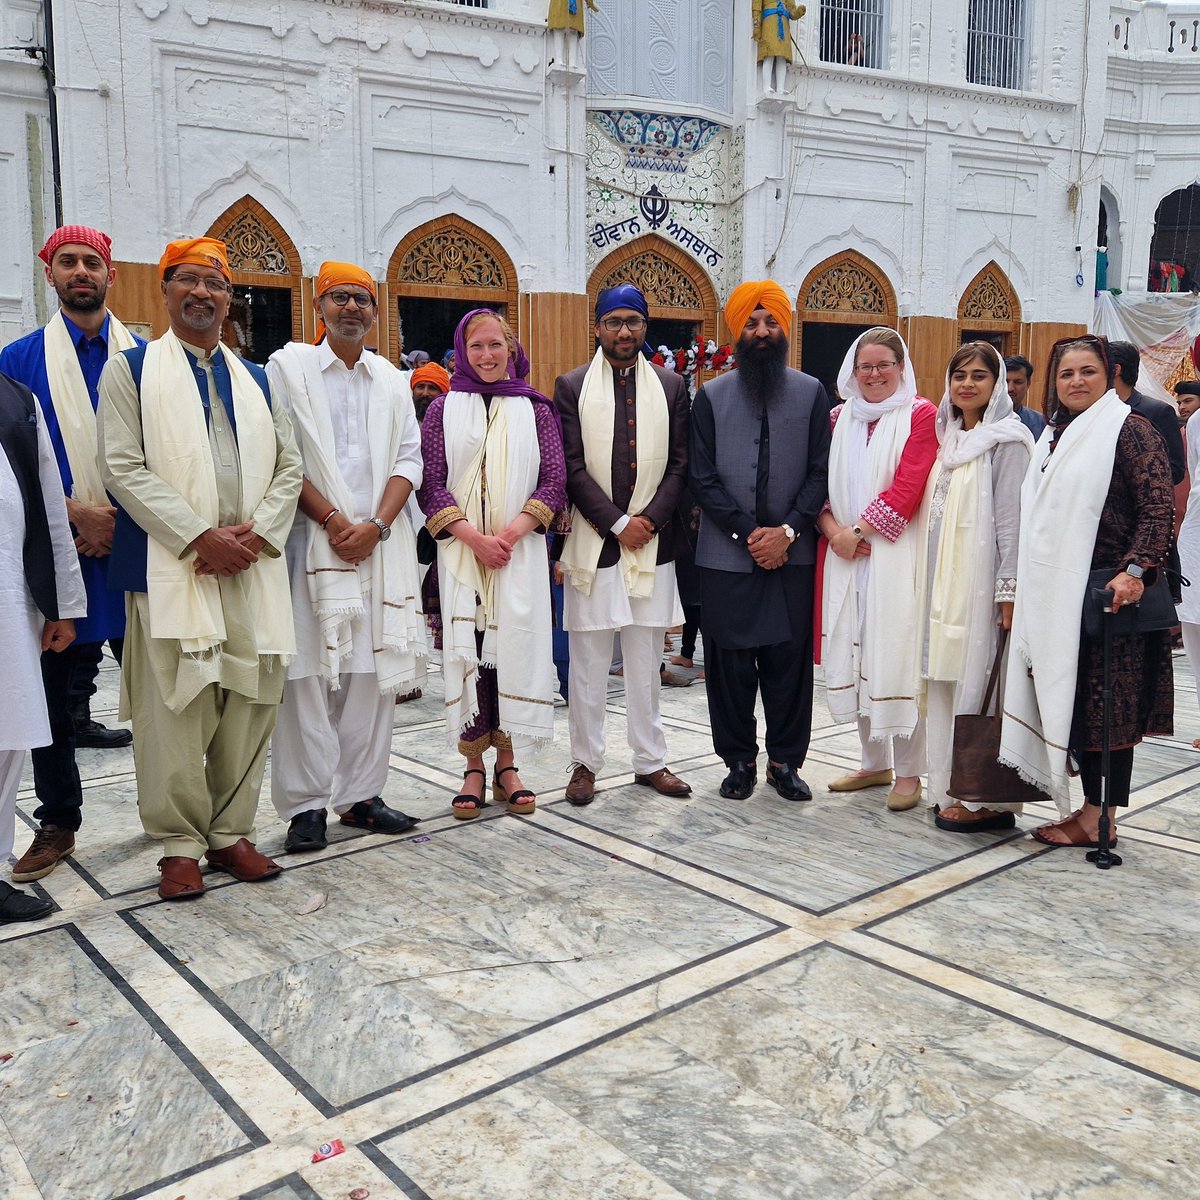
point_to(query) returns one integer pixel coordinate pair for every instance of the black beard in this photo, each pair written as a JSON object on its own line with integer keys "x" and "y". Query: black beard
{"x": 762, "y": 366}
{"x": 86, "y": 303}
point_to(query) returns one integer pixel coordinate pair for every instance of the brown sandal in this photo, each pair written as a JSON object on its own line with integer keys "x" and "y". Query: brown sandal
{"x": 1074, "y": 830}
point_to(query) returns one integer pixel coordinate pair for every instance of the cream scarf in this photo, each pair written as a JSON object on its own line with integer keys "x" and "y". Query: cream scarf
{"x": 183, "y": 605}
{"x": 73, "y": 405}
{"x": 1061, "y": 501}
{"x": 596, "y": 400}
{"x": 497, "y": 448}
{"x": 334, "y": 586}
{"x": 870, "y": 606}
{"x": 961, "y": 602}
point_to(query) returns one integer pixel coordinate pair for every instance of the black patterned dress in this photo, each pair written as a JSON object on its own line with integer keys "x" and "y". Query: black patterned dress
{"x": 1135, "y": 527}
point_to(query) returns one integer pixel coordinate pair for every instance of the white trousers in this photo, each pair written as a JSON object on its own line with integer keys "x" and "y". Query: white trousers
{"x": 330, "y": 747}
{"x": 11, "y": 762}
{"x": 939, "y": 724}
{"x": 587, "y": 682}
{"x": 908, "y": 753}
{"x": 1191, "y": 646}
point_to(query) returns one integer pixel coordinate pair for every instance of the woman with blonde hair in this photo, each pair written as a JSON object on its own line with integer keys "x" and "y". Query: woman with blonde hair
{"x": 974, "y": 517}
{"x": 494, "y": 474}
{"x": 883, "y": 447}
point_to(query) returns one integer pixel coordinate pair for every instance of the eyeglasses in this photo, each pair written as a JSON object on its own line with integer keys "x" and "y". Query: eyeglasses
{"x": 875, "y": 368}
{"x": 614, "y": 324}
{"x": 213, "y": 284}
{"x": 343, "y": 299}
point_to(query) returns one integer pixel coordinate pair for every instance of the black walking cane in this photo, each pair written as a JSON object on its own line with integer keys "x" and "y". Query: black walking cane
{"x": 1103, "y": 855}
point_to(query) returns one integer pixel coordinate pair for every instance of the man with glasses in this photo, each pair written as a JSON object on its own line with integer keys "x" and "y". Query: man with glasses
{"x": 61, "y": 365}
{"x": 625, "y": 429}
{"x": 206, "y": 474}
{"x": 360, "y": 635}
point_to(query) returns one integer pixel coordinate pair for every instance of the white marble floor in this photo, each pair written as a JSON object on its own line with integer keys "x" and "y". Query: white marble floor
{"x": 644, "y": 999}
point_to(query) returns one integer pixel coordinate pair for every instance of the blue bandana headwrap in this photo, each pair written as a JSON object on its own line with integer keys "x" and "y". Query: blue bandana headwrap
{"x": 624, "y": 296}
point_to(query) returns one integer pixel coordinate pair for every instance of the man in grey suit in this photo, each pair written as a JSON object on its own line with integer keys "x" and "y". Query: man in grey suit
{"x": 759, "y": 460}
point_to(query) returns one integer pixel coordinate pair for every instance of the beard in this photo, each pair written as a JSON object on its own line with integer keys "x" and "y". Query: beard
{"x": 762, "y": 365}
{"x": 80, "y": 302}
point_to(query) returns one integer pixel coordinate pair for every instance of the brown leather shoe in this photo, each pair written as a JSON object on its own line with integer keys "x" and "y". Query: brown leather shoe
{"x": 243, "y": 862}
{"x": 180, "y": 878}
{"x": 663, "y": 782}
{"x": 50, "y": 846}
{"x": 582, "y": 788}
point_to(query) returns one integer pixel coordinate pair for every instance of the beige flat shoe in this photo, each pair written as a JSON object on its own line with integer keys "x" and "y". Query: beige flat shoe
{"x": 898, "y": 803}
{"x": 854, "y": 783}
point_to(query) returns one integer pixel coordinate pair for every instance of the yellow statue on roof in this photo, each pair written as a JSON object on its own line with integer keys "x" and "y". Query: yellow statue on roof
{"x": 772, "y": 27}
{"x": 568, "y": 14}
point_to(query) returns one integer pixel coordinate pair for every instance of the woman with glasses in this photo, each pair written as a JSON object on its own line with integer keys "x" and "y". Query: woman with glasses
{"x": 494, "y": 474}
{"x": 884, "y": 445}
{"x": 1097, "y": 496}
{"x": 971, "y": 572}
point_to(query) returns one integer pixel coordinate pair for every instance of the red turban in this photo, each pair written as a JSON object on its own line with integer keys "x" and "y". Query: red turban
{"x": 757, "y": 293}
{"x": 431, "y": 373}
{"x": 77, "y": 235}
{"x": 195, "y": 252}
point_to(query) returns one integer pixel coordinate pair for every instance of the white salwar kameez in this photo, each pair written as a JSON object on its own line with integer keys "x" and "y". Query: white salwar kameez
{"x": 1189, "y": 554}
{"x": 26, "y": 723}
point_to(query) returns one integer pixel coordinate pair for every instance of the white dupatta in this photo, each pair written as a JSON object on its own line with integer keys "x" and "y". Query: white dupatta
{"x": 870, "y": 607}
{"x": 335, "y": 587}
{"x": 495, "y": 448}
{"x": 1061, "y": 502}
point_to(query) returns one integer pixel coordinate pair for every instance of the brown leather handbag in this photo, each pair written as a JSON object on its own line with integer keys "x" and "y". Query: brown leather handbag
{"x": 976, "y": 773}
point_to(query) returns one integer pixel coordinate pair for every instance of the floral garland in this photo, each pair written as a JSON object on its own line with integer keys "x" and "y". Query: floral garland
{"x": 696, "y": 357}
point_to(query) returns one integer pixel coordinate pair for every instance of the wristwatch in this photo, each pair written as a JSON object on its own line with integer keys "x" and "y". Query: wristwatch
{"x": 385, "y": 530}
{"x": 791, "y": 533}
{"x": 1136, "y": 571}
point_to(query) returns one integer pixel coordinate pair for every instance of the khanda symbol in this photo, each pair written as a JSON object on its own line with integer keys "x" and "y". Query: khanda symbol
{"x": 654, "y": 206}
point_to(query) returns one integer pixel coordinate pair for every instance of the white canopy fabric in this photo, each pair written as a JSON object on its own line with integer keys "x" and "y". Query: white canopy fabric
{"x": 1162, "y": 325}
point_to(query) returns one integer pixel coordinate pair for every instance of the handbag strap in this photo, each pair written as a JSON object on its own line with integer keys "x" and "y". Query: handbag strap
{"x": 994, "y": 677}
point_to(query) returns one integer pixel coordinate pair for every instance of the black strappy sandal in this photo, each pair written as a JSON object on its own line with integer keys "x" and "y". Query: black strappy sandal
{"x": 521, "y": 802}
{"x": 460, "y": 802}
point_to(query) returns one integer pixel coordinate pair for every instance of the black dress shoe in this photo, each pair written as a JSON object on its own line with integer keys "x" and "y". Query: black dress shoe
{"x": 787, "y": 782}
{"x": 16, "y": 905}
{"x": 374, "y": 815}
{"x": 91, "y": 735}
{"x": 739, "y": 783}
{"x": 306, "y": 832}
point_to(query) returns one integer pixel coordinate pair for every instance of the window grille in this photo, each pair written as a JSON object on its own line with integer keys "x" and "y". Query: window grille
{"x": 996, "y": 43}
{"x": 854, "y": 32}
{"x": 471, "y": 3}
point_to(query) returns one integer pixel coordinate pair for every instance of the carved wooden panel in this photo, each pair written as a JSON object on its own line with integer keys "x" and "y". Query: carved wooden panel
{"x": 451, "y": 257}
{"x": 846, "y": 287}
{"x": 253, "y": 247}
{"x": 989, "y": 297}
{"x": 663, "y": 283}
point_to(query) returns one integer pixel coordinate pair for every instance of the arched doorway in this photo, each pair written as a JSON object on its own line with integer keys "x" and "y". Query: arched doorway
{"x": 1175, "y": 247}
{"x": 682, "y": 301}
{"x": 267, "y": 308}
{"x": 841, "y": 297}
{"x": 439, "y": 272}
{"x": 989, "y": 311}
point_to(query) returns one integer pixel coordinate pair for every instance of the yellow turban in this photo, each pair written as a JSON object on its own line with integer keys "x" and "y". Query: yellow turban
{"x": 757, "y": 293}
{"x": 431, "y": 373}
{"x": 195, "y": 252}
{"x": 332, "y": 274}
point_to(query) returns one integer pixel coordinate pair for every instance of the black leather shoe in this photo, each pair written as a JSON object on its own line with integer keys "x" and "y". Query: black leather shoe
{"x": 91, "y": 735}
{"x": 16, "y": 905}
{"x": 739, "y": 783}
{"x": 374, "y": 815}
{"x": 787, "y": 782}
{"x": 306, "y": 832}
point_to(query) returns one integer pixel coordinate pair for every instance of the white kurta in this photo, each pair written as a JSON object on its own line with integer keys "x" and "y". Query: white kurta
{"x": 1189, "y": 531}
{"x": 610, "y": 606}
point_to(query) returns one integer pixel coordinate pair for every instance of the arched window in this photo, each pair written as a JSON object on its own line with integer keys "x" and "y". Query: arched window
{"x": 437, "y": 274}
{"x": 266, "y": 311}
{"x": 841, "y": 297}
{"x": 989, "y": 311}
{"x": 1175, "y": 247}
{"x": 682, "y": 301}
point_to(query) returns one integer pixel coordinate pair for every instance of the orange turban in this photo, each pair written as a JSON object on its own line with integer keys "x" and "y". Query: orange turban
{"x": 757, "y": 293}
{"x": 333, "y": 273}
{"x": 195, "y": 252}
{"x": 431, "y": 373}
